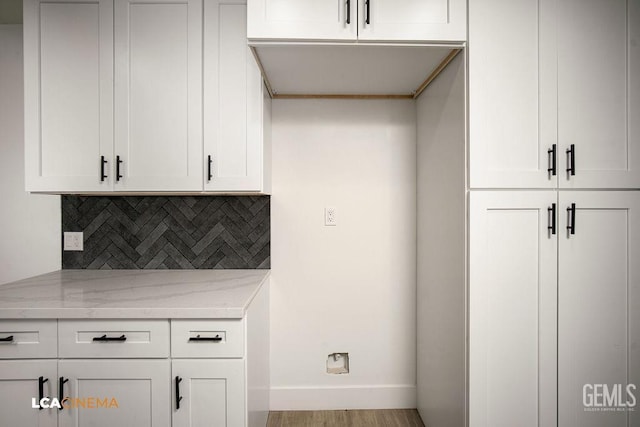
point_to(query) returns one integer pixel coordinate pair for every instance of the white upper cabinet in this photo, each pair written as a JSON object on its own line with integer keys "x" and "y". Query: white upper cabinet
{"x": 512, "y": 99}
{"x": 68, "y": 83}
{"x": 158, "y": 94}
{"x": 348, "y": 20}
{"x": 233, "y": 102}
{"x": 120, "y": 94}
{"x": 412, "y": 20}
{"x": 295, "y": 19}
{"x": 599, "y": 93}
{"x": 563, "y": 72}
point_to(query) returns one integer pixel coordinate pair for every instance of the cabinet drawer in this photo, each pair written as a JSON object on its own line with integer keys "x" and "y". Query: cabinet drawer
{"x": 113, "y": 338}
{"x": 207, "y": 338}
{"x": 28, "y": 339}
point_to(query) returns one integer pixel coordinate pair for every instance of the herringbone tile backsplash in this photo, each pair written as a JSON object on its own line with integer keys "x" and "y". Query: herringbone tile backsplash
{"x": 172, "y": 232}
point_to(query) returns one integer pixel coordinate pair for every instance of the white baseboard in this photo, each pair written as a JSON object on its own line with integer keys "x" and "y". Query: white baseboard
{"x": 333, "y": 398}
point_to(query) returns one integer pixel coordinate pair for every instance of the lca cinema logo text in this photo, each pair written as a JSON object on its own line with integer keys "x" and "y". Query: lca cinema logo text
{"x": 609, "y": 397}
{"x": 75, "y": 403}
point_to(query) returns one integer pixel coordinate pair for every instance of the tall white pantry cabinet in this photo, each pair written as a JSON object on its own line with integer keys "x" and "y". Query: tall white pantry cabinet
{"x": 554, "y": 233}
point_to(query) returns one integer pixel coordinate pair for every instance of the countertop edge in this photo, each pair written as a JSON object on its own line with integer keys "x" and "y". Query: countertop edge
{"x": 142, "y": 312}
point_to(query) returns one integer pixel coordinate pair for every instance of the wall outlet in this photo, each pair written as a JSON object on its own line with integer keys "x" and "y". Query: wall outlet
{"x": 73, "y": 241}
{"x": 330, "y": 216}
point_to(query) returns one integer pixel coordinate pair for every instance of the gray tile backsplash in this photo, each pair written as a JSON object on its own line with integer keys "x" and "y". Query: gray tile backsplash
{"x": 172, "y": 232}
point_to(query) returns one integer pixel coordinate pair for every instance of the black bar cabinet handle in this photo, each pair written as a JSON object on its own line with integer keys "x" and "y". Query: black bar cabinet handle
{"x": 348, "y": 11}
{"x": 209, "y": 174}
{"x": 367, "y": 5}
{"x": 118, "y": 163}
{"x": 7, "y": 339}
{"x": 552, "y": 220}
{"x": 217, "y": 338}
{"x": 61, "y": 383}
{"x": 103, "y": 162}
{"x": 106, "y": 338}
{"x": 41, "y": 382}
{"x": 571, "y": 159}
{"x": 178, "y": 397}
{"x": 571, "y": 224}
{"x": 551, "y": 153}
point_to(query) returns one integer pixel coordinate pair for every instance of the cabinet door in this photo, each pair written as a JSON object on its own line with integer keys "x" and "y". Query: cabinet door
{"x": 512, "y": 94}
{"x": 309, "y": 20}
{"x": 211, "y": 391}
{"x": 158, "y": 94}
{"x": 68, "y": 93}
{"x": 599, "y": 92}
{"x": 140, "y": 388}
{"x": 512, "y": 326}
{"x": 19, "y": 384}
{"x": 599, "y": 309}
{"x": 412, "y": 20}
{"x": 232, "y": 101}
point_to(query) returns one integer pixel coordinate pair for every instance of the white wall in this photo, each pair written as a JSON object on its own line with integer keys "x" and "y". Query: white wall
{"x": 349, "y": 288}
{"x": 30, "y": 224}
{"x": 441, "y": 249}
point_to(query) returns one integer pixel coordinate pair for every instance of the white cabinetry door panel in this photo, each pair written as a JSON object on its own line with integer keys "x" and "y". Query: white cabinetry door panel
{"x": 599, "y": 92}
{"x": 599, "y": 305}
{"x": 141, "y": 388}
{"x": 19, "y": 383}
{"x": 412, "y": 20}
{"x": 295, "y": 19}
{"x": 158, "y": 94}
{"x": 68, "y": 94}
{"x": 233, "y": 138}
{"x": 513, "y": 292}
{"x": 212, "y": 393}
{"x": 512, "y": 93}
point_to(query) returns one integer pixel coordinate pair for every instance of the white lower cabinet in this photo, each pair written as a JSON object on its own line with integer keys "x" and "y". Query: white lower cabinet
{"x": 107, "y": 393}
{"x": 19, "y": 384}
{"x": 512, "y": 327}
{"x": 599, "y": 310}
{"x": 208, "y": 393}
{"x": 554, "y": 308}
{"x": 137, "y": 373}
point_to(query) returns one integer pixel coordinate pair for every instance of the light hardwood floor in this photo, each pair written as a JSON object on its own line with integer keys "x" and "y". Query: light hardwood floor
{"x": 355, "y": 418}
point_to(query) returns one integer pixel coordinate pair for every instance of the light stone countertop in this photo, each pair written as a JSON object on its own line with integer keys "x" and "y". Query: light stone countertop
{"x": 130, "y": 294}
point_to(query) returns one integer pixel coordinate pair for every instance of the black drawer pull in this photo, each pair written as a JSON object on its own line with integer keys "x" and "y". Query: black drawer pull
{"x": 103, "y": 162}
{"x": 7, "y": 339}
{"x": 348, "y": 11}
{"x": 551, "y": 212}
{"x": 571, "y": 221}
{"x": 61, "y": 397}
{"x": 551, "y": 154}
{"x": 105, "y": 338}
{"x": 178, "y": 397}
{"x": 217, "y": 338}
{"x": 367, "y": 6}
{"x": 571, "y": 160}
{"x": 118, "y": 163}
{"x": 41, "y": 382}
{"x": 209, "y": 174}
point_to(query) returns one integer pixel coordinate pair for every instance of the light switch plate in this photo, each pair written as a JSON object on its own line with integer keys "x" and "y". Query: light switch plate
{"x": 73, "y": 241}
